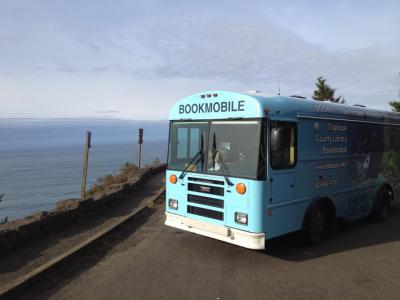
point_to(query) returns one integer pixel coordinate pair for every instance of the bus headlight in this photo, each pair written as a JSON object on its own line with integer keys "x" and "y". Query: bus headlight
{"x": 241, "y": 218}
{"x": 172, "y": 203}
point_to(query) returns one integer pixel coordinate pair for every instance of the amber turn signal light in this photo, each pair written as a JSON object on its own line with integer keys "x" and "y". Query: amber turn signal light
{"x": 173, "y": 179}
{"x": 241, "y": 188}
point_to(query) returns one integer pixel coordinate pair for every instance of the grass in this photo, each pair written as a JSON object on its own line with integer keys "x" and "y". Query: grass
{"x": 127, "y": 173}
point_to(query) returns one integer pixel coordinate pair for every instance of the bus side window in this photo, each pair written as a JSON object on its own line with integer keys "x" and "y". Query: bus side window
{"x": 283, "y": 145}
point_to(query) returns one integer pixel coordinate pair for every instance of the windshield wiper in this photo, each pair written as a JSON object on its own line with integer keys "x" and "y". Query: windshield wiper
{"x": 201, "y": 158}
{"x": 214, "y": 151}
{"x": 214, "y": 155}
{"x": 226, "y": 174}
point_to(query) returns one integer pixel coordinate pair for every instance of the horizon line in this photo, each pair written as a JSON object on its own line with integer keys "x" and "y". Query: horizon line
{"x": 80, "y": 118}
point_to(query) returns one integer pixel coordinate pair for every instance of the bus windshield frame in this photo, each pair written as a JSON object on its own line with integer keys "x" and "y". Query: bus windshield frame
{"x": 233, "y": 148}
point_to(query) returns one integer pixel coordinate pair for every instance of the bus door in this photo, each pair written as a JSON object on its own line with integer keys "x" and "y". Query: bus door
{"x": 282, "y": 161}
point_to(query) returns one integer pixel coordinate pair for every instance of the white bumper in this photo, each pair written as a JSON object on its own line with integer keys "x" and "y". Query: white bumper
{"x": 242, "y": 238}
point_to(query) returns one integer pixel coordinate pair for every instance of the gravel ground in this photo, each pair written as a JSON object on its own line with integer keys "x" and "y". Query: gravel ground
{"x": 153, "y": 261}
{"x": 37, "y": 252}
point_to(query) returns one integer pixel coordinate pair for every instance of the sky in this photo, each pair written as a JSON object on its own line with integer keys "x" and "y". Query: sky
{"x": 134, "y": 59}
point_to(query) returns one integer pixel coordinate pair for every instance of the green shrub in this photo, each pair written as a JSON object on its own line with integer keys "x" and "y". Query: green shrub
{"x": 128, "y": 172}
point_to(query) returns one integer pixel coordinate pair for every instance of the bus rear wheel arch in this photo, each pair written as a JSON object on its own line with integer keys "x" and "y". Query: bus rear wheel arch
{"x": 383, "y": 204}
{"x": 320, "y": 219}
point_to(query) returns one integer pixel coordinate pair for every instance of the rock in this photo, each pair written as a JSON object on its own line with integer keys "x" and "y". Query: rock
{"x": 8, "y": 240}
{"x": 67, "y": 204}
{"x": 52, "y": 221}
{"x": 15, "y": 233}
{"x": 98, "y": 203}
{"x": 29, "y": 229}
{"x": 115, "y": 187}
{"x": 86, "y": 204}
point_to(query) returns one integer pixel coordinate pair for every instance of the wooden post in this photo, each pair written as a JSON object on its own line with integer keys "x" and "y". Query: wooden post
{"x": 139, "y": 147}
{"x": 85, "y": 163}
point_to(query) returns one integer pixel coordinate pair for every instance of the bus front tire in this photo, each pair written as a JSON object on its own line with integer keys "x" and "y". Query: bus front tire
{"x": 317, "y": 225}
{"x": 381, "y": 211}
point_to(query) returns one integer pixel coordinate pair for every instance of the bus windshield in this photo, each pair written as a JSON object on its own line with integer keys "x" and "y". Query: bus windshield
{"x": 230, "y": 148}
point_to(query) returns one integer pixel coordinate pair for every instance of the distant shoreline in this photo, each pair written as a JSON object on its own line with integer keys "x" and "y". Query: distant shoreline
{"x": 41, "y": 159}
{"x": 89, "y": 118}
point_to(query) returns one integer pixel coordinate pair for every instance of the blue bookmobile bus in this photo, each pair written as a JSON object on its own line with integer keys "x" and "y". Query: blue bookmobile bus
{"x": 243, "y": 168}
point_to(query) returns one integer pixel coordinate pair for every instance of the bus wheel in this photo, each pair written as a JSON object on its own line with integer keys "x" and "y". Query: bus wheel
{"x": 317, "y": 224}
{"x": 381, "y": 211}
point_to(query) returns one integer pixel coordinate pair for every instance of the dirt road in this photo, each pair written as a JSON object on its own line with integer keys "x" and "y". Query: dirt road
{"x": 158, "y": 262}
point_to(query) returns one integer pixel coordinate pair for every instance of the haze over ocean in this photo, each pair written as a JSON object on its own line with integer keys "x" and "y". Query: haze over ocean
{"x": 41, "y": 159}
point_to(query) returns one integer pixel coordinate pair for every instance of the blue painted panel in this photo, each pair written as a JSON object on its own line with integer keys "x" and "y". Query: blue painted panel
{"x": 252, "y": 202}
{"x": 283, "y": 186}
{"x": 221, "y": 105}
{"x": 285, "y": 219}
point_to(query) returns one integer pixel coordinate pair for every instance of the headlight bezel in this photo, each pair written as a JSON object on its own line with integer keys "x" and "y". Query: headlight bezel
{"x": 173, "y": 204}
{"x": 241, "y": 218}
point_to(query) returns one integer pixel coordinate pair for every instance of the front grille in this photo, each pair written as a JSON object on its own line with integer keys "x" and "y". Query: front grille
{"x": 214, "y": 190}
{"x": 205, "y": 212}
{"x": 206, "y": 180}
{"x": 206, "y": 201}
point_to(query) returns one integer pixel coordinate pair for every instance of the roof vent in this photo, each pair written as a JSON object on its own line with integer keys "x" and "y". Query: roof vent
{"x": 359, "y": 105}
{"x": 297, "y": 96}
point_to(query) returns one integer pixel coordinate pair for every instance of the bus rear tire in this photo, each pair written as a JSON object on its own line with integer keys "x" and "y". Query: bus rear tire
{"x": 316, "y": 226}
{"x": 383, "y": 205}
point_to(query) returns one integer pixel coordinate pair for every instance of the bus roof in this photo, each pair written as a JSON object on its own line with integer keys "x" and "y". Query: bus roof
{"x": 231, "y": 105}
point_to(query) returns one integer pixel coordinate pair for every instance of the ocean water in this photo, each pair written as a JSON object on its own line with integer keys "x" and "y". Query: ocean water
{"x": 41, "y": 160}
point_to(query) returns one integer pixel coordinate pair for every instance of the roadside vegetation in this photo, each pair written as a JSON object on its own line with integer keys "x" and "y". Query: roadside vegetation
{"x": 128, "y": 173}
{"x": 395, "y": 105}
{"x": 5, "y": 219}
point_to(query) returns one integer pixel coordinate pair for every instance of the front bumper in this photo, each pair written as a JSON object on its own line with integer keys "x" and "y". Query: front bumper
{"x": 242, "y": 238}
